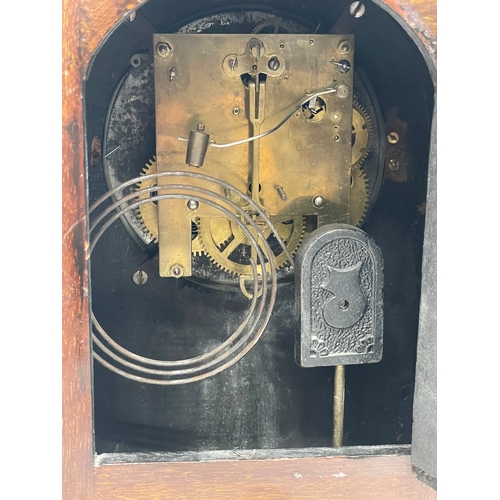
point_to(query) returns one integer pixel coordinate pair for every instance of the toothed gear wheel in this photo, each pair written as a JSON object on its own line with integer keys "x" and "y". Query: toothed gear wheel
{"x": 359, "y": 196}
{"x": 274, "y": 26}
{"x": 147, "y": 213}
{"x": 361, "y": 133}
{"x": 229, "y": 247}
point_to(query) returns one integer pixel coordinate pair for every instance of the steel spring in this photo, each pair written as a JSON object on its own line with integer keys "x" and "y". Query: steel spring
{"x": 250, "y": 329}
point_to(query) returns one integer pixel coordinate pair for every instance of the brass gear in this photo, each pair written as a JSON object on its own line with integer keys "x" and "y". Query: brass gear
{"x": 359, "y": 195}
{"x": 147, "y": 213}
{"x": 276, "y": 25}
{"x": 361, "y": 132}
{"x": 219, "y": 237}
{"x": 225, "y": 242}
{"x": 215, "y": 235}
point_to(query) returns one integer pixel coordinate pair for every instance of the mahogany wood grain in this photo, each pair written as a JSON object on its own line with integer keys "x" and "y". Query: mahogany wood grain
{"x": 85, "y": 25}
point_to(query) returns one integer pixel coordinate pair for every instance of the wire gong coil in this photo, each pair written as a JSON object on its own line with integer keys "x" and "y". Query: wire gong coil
{"x": 161, "y": 372}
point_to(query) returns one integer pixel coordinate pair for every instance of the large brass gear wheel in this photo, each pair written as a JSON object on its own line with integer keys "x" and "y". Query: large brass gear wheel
{"x": 148, "y": 212}
{"x": 361, "y": 132}
{"x": 359, "y": 196}
{"x": 228, "y": 246}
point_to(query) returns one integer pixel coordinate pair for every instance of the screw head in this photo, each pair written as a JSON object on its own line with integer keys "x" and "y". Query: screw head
{"x": 140, "y": 277}
{"x": 236, "y": 111}
{"x": 193, "y": 204}
{"x": 393, "y": 138}
{"x": 200, "y": 127}
{"x": 357, "y": 10}
{"x": 318, "y": 201}
{"x": 273, "y": 64}
{"x": 311, "y": 41}
{"x": 163, "y": 49}
{"x": 393, "y": 164}
{"x": 177, "y": 271}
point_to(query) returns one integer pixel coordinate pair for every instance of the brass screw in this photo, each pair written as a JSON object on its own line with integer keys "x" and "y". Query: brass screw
{"x": 393, "y": 138}
{"x": 273, "y": 64}
{"x": 163, "y": 49}
{"x": 344, "y": 47}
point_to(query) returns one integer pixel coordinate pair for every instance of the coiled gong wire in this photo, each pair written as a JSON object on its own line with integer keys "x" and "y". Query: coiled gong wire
{"x": 160, "y": 372}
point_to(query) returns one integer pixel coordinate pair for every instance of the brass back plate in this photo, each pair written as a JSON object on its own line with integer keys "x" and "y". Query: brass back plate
{"x": 197, "y": 81}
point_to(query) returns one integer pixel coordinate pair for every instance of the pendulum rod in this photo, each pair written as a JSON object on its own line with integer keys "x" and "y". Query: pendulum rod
{"x": 338, "y": 405}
